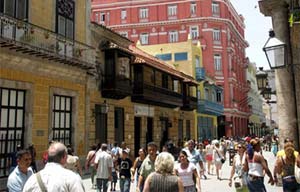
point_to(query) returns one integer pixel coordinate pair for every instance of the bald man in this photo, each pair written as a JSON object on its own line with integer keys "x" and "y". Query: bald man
{"x": 54, "y": 177}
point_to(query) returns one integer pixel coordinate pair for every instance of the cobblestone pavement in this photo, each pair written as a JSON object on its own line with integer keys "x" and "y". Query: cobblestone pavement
{"x": 211, "y": 184}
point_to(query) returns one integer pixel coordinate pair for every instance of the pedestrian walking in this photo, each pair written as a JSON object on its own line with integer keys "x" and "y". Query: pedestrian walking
{"x": 163, "y": 179}
{"x": 238, "y": 175}
{"x": 32, "y": 151}
{"x": 188, "y": 173}
{"x": 218, "y": 158}
{"x": 54, "y": 177}
{"x": 209, "y": 148}
{"x": 125, "y": 165}
{"x": 285, "y": 166}
{"x": 135, "y": 170}
{"x": 147, "y": 166}
{"x": 73, "y": 162}
{"x": 21, "y": 173}
{"x": 13, "y": 159}
{"x": 104, "y": 163}
{"x": 90, "y": 164}
{"x": 256, "y": 166}
{"x": 194, "y": 156}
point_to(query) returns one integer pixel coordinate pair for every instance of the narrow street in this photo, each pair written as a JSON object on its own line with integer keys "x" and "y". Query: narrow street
{"x": 212, "y": 184}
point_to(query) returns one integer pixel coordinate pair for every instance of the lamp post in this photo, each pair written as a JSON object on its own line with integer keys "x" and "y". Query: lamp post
{"x": 276, "y": 53}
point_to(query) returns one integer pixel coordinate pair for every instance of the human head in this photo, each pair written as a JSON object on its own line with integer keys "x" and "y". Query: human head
{"x": 164, "y": 163}
{"x": 70, "y": 150}
{"x": 142, "y": 152}
{"x": 24, "y": 160}
{"x": 183, "y": 156}
{"x": 125, "y": 153}
{"x": 57, "y": 153}
{"x": 103, "y": 147}
{"x": 93, "y": 147}
{"x": 191, "y": 144}
{"x": 241, "y": 148}
{"x": 152, "y": 149}
{"x": 289, "y": 150}
{"x": 255, "y": 144}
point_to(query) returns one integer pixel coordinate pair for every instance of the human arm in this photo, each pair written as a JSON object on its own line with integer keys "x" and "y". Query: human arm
{"x": 79, "y": 168}
{"x": 267, "y": 170}
{"x": 180, "y": 186}
{"x": 198, "y": 183}
{"x": 140, "y": 181}
{"x": 147, "y": 183}
{"x": 277, "y": 169}
{"x": 133, "y": 168}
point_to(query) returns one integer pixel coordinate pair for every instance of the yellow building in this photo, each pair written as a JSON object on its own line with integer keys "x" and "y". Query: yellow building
{"x": 187, "y": 58}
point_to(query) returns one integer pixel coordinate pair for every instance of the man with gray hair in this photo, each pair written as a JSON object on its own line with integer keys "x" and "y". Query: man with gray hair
{"x": 104, "y": 163}
{"x": 54, "y": 177}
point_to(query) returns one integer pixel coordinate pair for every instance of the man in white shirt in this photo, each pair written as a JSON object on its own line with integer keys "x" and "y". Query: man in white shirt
{"x": 54, "y": 177}
{"x": 103, "y": 162}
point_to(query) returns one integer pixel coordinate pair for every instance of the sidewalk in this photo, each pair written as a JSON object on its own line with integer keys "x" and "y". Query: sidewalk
{"x": 211, "y": 184}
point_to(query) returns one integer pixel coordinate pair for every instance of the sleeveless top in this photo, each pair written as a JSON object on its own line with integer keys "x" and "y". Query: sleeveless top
{"x": 138, "y": 165}
{"x": 287, "y": 169}
{"x": 255, "y": 169}
{"x": 164, "y": 183}
{"x": 186, "y": 175}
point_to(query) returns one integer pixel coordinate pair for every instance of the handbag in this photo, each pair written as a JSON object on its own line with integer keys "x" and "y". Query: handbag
{"x": 238, "y": 182}
{"x": 297, "y": 173}
{"x": 222, "y": 158}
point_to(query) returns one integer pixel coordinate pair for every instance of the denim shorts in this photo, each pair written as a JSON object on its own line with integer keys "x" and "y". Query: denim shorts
{"x": 256, "y": 184}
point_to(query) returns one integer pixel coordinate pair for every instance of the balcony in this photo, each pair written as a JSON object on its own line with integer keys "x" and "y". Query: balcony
{"x": 116, "y": 88}
{"x": 33, "y": 40}
{"x": 189, "y": 103}
{"x": 150, "y": 94}
{"x": 209, "y": 107}
{"x": 200, "y": 73}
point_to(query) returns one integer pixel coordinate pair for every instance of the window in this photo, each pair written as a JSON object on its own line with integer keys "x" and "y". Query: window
{"x": 172, "y": 10}
{"x": 175, "y": 85}
{"x": 193, "y": 8}
{"x": 219, "y": 96}
{"x": 164, "y": 57}
{"x": 197, "y": 60}
{"x": 12, "y": 124}
{"x": 206, "y": 94}
{"x": 144, "y": 38}
{"x": 65, "y": 18}
{"x": 143, "y": 13}
{"x": 165, "y": 81}
{"x": 173, "y": 36}
{"x": 181, "y": 56}
{"x": 194, "y": 32}
{"x": 217, "y": 62}
{"x": 62, "y": 119}
{"x": 102, "y": 17}
{"x": 15, "y": 8}
{"x": 198, "y": 94}
{"x": 123, "y": 14}
{"x": 215, "y": 9}
{"x": 216, "y": 36}
{"x": 96, "y": 17}
{"x": 213, "y": 96}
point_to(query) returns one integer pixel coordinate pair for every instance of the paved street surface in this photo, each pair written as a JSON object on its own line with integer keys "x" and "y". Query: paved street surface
{"x": 212, "y": 184}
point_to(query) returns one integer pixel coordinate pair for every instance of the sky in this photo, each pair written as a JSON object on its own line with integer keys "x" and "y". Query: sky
{"x": 256, "y": 30}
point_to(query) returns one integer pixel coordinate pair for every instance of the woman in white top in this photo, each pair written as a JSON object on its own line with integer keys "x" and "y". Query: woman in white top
{"x": 217, "y": 158}
{"x": 256, "y": 165}
{"x": 237, "y": 172}
{"x": 188, "y": 173}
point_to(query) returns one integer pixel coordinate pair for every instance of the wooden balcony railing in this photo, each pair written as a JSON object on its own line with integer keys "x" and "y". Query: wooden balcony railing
{"x": 34, "y": 40}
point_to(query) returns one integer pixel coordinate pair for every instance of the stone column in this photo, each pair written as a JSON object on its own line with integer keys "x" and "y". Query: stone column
{"x": 284, "y": 81}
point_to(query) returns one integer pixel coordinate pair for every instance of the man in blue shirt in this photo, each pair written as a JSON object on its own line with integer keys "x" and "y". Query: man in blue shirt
{"x": 21, "y": 173}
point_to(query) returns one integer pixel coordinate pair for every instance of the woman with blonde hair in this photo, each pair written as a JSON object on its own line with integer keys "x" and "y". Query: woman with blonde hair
{"x": 285, "y": 166}
{"x": 163, "y": 179}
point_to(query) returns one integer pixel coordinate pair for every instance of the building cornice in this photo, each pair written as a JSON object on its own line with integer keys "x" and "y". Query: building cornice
{"x": 268, "y": 6}
{"x": 180, "y": 21}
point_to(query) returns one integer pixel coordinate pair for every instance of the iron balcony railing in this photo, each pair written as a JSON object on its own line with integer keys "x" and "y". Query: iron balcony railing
{"x": 210, "y": 107}
{"x": 34, "y": 40}
{"x": 200, "y": 73}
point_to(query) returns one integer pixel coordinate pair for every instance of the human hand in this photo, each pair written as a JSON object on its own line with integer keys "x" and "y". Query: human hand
{"x": 230, "y": 183}
{"x": 271, "y": 181}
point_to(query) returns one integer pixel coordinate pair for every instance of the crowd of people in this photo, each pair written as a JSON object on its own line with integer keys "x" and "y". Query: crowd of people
{"x": 169, "y": 169}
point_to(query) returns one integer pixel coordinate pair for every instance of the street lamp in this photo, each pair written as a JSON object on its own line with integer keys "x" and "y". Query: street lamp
{"x": 104, "y": 107}
{"x": 275, "y": 51}
{"x": 261, "y": 77}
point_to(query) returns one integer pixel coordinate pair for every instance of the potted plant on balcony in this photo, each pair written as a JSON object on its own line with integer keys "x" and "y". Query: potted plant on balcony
{"x": 294, "y": 16}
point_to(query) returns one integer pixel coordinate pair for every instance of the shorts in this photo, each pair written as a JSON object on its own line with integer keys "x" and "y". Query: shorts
{"x": 114, "y": 177}
{"x": 209, "y": 157}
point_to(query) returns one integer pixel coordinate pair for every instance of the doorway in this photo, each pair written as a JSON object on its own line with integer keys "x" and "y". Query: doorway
{"x": 137, "y": 135}
{"x": 149, "y": 133}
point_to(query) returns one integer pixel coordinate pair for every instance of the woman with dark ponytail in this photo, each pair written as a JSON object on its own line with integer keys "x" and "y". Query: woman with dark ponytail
{"x": 256, "y": 165}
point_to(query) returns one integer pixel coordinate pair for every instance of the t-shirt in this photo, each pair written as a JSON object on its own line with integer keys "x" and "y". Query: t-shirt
{"x": 124, "y": 167}
{"x": 186, "y": 175}
{"x": 104, "y": 161}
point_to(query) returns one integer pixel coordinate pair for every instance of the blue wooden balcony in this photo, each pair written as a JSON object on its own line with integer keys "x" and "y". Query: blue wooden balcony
{"x": 210, "y": 107}
{"x": 200, "y": 73}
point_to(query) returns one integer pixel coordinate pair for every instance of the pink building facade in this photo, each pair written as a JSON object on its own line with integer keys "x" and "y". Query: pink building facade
{"x": 216, "y": 24}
